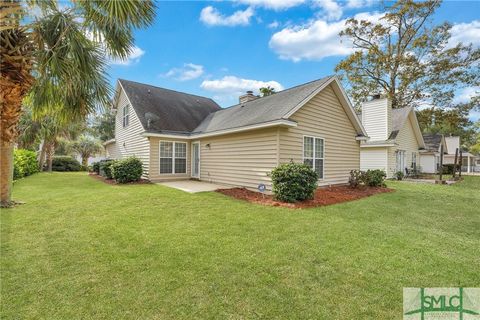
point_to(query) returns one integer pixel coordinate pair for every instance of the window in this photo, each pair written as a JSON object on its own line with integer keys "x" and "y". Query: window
{"x": 313, "y": 154}
{"x": 173, "y": 157}
{"x": 126, "y": 115}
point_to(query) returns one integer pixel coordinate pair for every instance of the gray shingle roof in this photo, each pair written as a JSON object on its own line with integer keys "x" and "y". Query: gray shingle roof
{"x": 260, "y": 110}
{"x": 167, "y": 110}
{"x": 432, "y": 141}
{"x": 399, "y": 116}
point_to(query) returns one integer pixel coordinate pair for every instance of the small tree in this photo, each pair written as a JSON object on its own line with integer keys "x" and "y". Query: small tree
{"x": 86, "y": 147}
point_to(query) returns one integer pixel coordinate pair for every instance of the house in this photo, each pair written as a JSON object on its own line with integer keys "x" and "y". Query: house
{"x": 430, "y": 157}
{"x": 183, "y": 136}
{"x": 395, "y": 137}
{"x": 468, "y": 159}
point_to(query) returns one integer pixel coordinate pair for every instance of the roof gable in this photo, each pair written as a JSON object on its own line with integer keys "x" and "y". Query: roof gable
{"x": 160, "y": 109}
{"x": 399, "y": 120}
{"x": 279, "y": 106}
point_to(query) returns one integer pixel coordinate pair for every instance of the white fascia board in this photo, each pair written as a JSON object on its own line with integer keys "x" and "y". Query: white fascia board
{"x": 109, "y": 142}
{"x": 279, "y": 123}
{"x": 377, "y": 145}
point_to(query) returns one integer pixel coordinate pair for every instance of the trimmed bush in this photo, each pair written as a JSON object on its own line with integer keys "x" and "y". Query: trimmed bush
{"x": 399, "y": 175}
{"x": 293, "y": 182}
{"x": 96, "y": 167}
{"x": 127, "y": 170}
{"x": 24, "y": 163}
{"x": 106, "y": 168}
{"x": 375, "y": 178}
{"x": 65, "y": 163}
{"x": 370, "y": 178}
{"x": 357, "y": 178}
{"x": 447, "y": 168}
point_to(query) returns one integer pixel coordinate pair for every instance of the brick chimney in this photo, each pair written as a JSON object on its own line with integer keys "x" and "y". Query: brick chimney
{"x": 377, "y": 117}
{"x": 249, "y": 96}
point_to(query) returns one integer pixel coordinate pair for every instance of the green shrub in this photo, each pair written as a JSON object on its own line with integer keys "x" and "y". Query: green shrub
{"x": 399, "y": 175}
{"x": 127, "y": 170}
{"x": 357, "y": 178}
{"x": 375, "y": 178}
{"x": 96, "y": 167}
{"x": 370, "y": 178}
{"x": 106, "y": 168}
{"x": 447, "y": 168}
{"x": 293, "y": 182}
{"x": 65, "y": 163}
{"x": 24, "y": 163}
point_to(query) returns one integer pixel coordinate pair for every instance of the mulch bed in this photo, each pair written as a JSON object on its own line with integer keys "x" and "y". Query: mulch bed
{"x": 111, "y": 181}
{"x": 323, "y": 196}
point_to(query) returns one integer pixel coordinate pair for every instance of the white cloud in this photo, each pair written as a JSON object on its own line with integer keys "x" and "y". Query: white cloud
{"x": 234, "y": 86}
{"x": 355, "y": 4}
{"x": 212, "y": 17}
{"x": 132, "y": 58}
{"x": 465, "y": 94}
{"x": 273, "y": 4}
{"x": 273, "y": 25}
{"x": 466, "y": 33}
{"x": 331, "y": 9}
{"x": 315, "y": 40}
{"x": 189, "y": 71}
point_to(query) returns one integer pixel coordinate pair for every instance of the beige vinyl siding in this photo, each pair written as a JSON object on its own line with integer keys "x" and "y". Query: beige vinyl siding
{"x": 407, "y": 141}
{"x": 374, "y": 158}
{"x": 111, "y": 150}
{"x": 240, "y": 159}
{"x": 324, "y": 117}
{"x": 128, "y": 140}
{"x": 154, "y": 173}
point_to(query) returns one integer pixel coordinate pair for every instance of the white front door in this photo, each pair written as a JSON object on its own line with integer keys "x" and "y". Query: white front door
{"x": 196, "y": 160}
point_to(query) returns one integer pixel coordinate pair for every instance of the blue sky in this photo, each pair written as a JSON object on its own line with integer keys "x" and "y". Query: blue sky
{"x": 221, "y": 49}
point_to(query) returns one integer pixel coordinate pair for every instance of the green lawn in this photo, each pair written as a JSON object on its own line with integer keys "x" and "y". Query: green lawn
{"x": 82, "y": 249}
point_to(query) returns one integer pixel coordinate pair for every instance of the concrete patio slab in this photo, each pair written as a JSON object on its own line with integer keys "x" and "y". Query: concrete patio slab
{"x": 192, "y": 186}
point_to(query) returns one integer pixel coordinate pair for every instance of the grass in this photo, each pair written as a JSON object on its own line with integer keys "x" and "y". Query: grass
{"x": 82, "y": 249}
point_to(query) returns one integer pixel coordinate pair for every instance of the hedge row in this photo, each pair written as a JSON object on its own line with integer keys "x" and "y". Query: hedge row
{"x": 123, "y": 171}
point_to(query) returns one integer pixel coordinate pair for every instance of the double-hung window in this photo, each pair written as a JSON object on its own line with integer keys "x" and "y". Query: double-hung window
{"x": 173, "y": 157}
{"x": 126, "y": 115}
{"x": 313, "y": 154}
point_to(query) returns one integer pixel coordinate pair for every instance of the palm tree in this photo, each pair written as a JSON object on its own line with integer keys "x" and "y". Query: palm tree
{"x": 267, "y": 91}
{"x": 86, "y": 147}
{"x": 57, "y": 55}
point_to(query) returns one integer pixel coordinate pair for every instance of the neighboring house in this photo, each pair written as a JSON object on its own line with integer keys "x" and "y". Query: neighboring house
{"x": 468, "y": 159}
{"x": 430, "y": 157}
{"x": 395, "y": 137}
{"x": 183, "y": 136}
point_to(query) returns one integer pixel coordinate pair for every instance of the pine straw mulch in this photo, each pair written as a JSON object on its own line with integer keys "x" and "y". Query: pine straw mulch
{"x": 323, "y": 196}
{"x": 113, "y": 182}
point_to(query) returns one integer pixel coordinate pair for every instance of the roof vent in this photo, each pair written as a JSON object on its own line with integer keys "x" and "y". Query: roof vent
{"x": 148, "y": 90}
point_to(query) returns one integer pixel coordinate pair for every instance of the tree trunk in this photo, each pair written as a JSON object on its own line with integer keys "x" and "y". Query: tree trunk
{"x": 50, "y": 152}
{"x": 85, "y": 161}
{"x": 41, "y": 159}
{"x": 15, "y": 80}
{"x": 6, "y": 173}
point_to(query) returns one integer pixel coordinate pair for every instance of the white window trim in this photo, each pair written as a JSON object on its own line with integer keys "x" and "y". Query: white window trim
{"x": 125, "y": 116}
{"x": 173, "y": 157}
{"x": 303, "y": 153}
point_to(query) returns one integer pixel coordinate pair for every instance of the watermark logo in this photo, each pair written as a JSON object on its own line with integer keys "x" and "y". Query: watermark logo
{"x": 441, "y": 303}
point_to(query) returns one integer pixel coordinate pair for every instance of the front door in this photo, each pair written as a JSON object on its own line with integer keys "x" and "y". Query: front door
{"x": 196, "y": 160}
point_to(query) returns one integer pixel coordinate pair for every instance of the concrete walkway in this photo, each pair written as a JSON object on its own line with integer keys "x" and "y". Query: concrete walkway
{"x": 193, "y": 186}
